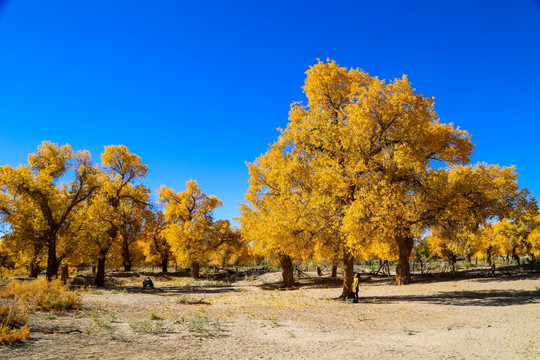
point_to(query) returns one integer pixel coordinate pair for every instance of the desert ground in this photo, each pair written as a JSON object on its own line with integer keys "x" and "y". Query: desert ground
{"x": 468, "y": 317}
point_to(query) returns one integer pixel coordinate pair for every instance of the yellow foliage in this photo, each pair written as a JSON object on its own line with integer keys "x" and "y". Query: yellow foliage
{"x": 353, "y": 173}
{"x": 190, "y": 223}
{"x": 42, "y": 295}
{"x": 13, "y": 325}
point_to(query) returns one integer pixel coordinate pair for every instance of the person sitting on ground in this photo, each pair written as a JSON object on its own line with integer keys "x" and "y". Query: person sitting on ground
{"x": 148, "y": 284}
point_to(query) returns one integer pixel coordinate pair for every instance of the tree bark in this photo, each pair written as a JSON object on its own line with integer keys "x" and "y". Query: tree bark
{"x": 164, "y": 264}
{"x": 195, "y": 270}
{"x": 287, "y": 270}
{"x": 333, "y": 273}
{"x": 348, "y": 274}
{"x": 52, "y": 262}
{"x": 100, "y": 276}
{"x": 403, "y": 273}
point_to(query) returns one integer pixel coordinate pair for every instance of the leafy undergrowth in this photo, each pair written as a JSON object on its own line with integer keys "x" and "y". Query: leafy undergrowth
{"x": 30, "y": 296}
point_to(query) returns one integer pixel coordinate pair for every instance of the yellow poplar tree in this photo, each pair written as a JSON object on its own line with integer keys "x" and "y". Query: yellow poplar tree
{"x": 155, "y": 246}
{"x": 54, "y": 201}
{"x": 120, "y": 189}
{"x": 190, "y": 224}
{"x": 363, "y": 144}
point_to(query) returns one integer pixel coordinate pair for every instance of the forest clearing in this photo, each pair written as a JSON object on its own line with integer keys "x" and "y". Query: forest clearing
{"x": 436, "y": 317}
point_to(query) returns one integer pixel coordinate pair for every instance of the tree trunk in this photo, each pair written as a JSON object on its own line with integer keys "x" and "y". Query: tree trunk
{"x": 489, "y": 256}
{"x": 319, "y": 271}
{"x": 65, "y": 274}
{"x": 403, "y": 274}
{"x": 164, "y": 264}
{"x": 34, "y": 270}
{"x": 52, "y": 262}
{"x": 100, "y": 276}
{"x": 468, "y": 257}
{"x": 348, "y": 274}
{"x": 287, "y": 270}
{"x": 126, "y": 255}
{"x": 333, "y": 273}
{"x": 452, "y": 261}
{"x": 195, "y": 270}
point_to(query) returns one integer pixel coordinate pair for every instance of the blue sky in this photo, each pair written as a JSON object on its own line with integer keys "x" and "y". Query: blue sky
{"x": 198, "y": 88}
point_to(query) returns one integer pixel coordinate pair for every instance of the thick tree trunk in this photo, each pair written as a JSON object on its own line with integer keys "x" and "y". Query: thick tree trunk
{"x": 52, "y": 262}
{"x": 333, "y": 272}
{"x": 195, "y": 270}
{"x": 287, "y": 270}
{"x": 468, "y": 258}
{"x": 319, "y": 271}
{"x": 164, "y": 264}
{"x": 403, "y": 273}
{"x": 348, "y": 274}
{"x": 100, "y": 275}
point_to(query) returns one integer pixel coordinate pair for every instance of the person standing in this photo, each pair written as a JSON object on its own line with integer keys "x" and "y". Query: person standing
{"x": 355, "y": 287}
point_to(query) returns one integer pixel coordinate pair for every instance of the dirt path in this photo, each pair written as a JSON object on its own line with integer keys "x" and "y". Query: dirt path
{"x": 497, "y": 318}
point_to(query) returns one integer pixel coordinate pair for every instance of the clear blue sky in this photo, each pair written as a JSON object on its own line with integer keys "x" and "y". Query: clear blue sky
{"x": 198, "y": 88}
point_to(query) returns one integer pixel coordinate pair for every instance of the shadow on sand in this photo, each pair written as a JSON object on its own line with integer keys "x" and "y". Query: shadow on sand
{"x": 464, "y": 298}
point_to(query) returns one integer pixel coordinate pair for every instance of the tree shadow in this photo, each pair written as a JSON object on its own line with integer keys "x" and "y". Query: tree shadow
{"x": 180, "y": 290}
{"x": 464, "y": 298}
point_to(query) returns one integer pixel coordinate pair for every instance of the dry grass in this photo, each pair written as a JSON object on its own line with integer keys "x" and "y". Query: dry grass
{"x": 42, "y": 295}
{"x": 20, "y": 298}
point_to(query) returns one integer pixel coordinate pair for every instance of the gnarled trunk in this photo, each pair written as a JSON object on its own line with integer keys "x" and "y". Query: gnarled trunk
{"x": 403, "y": 273}
{"x": 195, "y": 270}
{"x": 348, "y": 274}
{"x": 287, "y": 270}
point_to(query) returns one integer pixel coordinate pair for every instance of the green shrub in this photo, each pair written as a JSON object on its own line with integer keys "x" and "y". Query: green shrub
{"x": 203, "y": 325}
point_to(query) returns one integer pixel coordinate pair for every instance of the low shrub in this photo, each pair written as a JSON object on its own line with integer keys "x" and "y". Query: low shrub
{"x": 147, "y": 326}
{"x": 42, "y": 295}
{"x": 202, "y": 325}
{"x": 13, "y": 324}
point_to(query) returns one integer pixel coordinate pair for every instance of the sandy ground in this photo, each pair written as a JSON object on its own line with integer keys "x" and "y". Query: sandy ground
{"x": 482, "y": 318}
